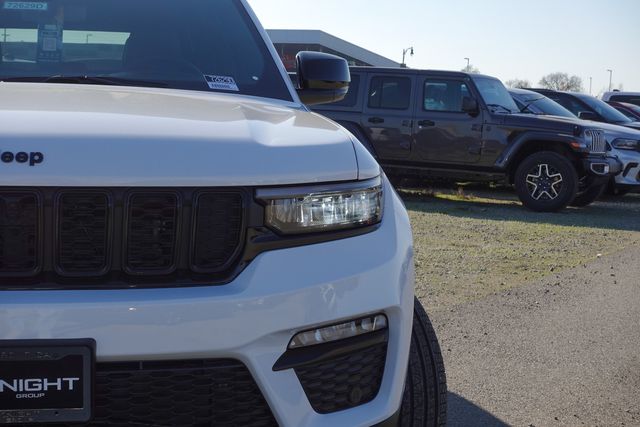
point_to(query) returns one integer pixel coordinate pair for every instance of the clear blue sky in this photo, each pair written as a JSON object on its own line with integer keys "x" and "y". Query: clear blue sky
{"x": 504, "y": 38}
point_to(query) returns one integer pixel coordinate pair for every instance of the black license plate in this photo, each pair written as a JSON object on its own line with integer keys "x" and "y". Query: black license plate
{"x": 46, "y": 381}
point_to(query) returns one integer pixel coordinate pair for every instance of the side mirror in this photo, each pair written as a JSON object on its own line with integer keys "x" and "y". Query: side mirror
{"x": 588, "y": 115}
{"x": 470, "y": 106}
{"x": 322, "y": 78}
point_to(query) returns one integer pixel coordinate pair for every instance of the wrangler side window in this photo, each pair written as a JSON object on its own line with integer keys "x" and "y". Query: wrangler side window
{"x": 444, "y": 95}
{"x": 390, "y": 93}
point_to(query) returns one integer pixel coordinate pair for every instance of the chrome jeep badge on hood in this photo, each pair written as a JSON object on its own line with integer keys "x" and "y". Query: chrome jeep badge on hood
{"x": 32, "y": 158}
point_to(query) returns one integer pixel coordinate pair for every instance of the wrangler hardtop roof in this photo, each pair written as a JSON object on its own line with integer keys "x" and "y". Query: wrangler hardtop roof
{"x": 414, "y": 71}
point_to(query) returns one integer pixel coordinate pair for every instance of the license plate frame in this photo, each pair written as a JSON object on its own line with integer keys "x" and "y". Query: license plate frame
{"x": 68, "y": 366}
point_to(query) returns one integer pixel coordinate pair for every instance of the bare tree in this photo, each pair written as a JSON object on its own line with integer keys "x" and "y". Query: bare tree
{"x": 562, "y": 81}
{"x": 518, "y": 83}
{"x": 471, "y": 69}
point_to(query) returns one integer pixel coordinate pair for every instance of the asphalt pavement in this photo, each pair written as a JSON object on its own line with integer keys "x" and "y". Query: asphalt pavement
{"x": 562, "y": 351}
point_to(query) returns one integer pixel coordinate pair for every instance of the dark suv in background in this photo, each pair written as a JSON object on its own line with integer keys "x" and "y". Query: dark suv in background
{"x": 462, "y": 126}
{"x": 588, "y": 107}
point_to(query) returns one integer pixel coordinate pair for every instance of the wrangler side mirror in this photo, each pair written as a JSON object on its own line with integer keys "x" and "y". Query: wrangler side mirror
{"x": 470, "y": 106}
{"x": 588, "y": 115}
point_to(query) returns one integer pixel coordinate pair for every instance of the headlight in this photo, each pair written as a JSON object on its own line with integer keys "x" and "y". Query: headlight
{"x": 313, "y": 209}
{"x": 626, "y": 144}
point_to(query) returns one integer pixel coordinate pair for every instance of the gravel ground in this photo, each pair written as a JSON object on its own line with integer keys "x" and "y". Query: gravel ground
{"x": 562, "y": 351}
{"x": 538, "y": 315}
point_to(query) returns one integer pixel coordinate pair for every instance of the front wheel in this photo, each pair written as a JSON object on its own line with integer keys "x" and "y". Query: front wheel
{"x": 546, "y": 182}
{"x": 425, "y": 396}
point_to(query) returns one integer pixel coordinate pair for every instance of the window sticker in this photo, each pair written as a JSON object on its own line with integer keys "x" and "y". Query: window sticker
{"x": 50, "y": 43}
{"x": 26, "y": 5}
{"x": 222, "y": 83}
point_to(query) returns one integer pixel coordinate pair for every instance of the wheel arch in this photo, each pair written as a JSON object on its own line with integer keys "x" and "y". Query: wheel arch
{"x": 528, "y": 144}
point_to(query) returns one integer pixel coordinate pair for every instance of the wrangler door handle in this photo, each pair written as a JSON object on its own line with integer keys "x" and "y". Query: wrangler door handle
{"x": 426, "y": 123}
{"x": 376, "y": 120}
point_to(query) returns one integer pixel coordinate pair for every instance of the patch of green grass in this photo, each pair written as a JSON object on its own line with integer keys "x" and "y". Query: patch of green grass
{"x": 469, "y": 246}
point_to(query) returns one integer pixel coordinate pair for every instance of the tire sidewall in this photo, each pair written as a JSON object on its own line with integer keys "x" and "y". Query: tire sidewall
{"x": 565, "y": 168}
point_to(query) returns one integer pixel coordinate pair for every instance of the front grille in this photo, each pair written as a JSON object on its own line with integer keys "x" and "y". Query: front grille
{"x": 199, "y": 393}
{"x": 344, "y": 382}
{"x": 598, "y": 141}
{"x": 120, "y": 237}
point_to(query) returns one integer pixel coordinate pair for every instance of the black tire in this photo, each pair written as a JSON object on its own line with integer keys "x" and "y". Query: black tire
{"x": 425, "y": 397}
{"x": 557, "y": 182}
{"x": 360, "y": 136}
{"x": 590, "y": 195}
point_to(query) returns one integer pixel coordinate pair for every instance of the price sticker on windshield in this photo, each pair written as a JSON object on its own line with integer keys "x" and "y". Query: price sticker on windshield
{"x": 26, "y": 5}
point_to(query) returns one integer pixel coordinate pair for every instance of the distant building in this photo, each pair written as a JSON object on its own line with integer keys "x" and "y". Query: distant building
{"x": 289, "y": 42}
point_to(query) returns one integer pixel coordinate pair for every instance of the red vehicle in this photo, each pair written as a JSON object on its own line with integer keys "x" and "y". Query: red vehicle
{"x": 630, "y": 110}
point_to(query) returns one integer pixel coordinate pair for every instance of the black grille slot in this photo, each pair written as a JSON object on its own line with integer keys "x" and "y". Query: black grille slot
{"x": 19, "y": 233}
{"x": 218, "y": 231}
{"x": 193, "y": 393}
{"x": 151, "y": 233}
{"x": 83, "y": 233}
{"x": 344, "y": 382}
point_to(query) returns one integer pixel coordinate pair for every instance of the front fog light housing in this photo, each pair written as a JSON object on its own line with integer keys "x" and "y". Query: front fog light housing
{"x": 626, "y": 144}
{"x": 339, "y": 332}
{"x": 299, "y": 210}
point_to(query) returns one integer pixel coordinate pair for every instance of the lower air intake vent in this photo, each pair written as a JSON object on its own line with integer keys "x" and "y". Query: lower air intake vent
{"x": 198, "y": 393}
{"x": 19, "y": 233}
{"x": 344, "y": 382}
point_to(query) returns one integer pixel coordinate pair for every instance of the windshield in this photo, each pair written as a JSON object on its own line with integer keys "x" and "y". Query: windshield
{"x": 610, "y": 114}
{"x": 495, "y": 94}
{"x": 199, "y": 45}
{"x": 546, "y": 106}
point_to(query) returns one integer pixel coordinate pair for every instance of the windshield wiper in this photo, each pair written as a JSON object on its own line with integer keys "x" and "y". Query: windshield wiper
{"x": 530, "y": 103}
{"x": 500, "y": 106}
{"x": 92, "y": 80}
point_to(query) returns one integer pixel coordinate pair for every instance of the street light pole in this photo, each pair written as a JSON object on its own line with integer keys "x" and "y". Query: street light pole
{"x": 468, "y": 62}
{"x": 404, "y": 55}
{"x": 590, "y": 85}
{"x": 88, "y": 35}
{"x": 610, "y": 79}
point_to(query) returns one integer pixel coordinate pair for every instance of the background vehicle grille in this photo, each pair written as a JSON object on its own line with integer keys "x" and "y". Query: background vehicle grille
{"x": 598, "y": 141}
{"x": 195, "y": 393}
{"x": 344, "y": 382}
{"x": 120, "y": 237}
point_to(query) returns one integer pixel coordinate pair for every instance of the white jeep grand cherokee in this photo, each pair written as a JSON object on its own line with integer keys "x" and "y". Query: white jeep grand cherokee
{"x": 183, "y": 243}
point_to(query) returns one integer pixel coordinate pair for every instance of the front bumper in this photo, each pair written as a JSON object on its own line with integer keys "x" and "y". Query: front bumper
{"x": 602, "y": 166}
{"x": 630, "y": 160}
{"x": 252, "y": 319}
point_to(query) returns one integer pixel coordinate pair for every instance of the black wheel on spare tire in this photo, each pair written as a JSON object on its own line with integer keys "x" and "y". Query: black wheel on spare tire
{"x": 591, "y": 189}
{"x": 546, "y": 182}
{"x": 425, "y": 396}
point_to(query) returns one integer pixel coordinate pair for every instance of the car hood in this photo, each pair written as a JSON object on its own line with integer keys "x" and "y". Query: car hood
{"x": 557, "y": 123}
{"x": 617, "y": 131}
{"x": 122, "y": 136}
